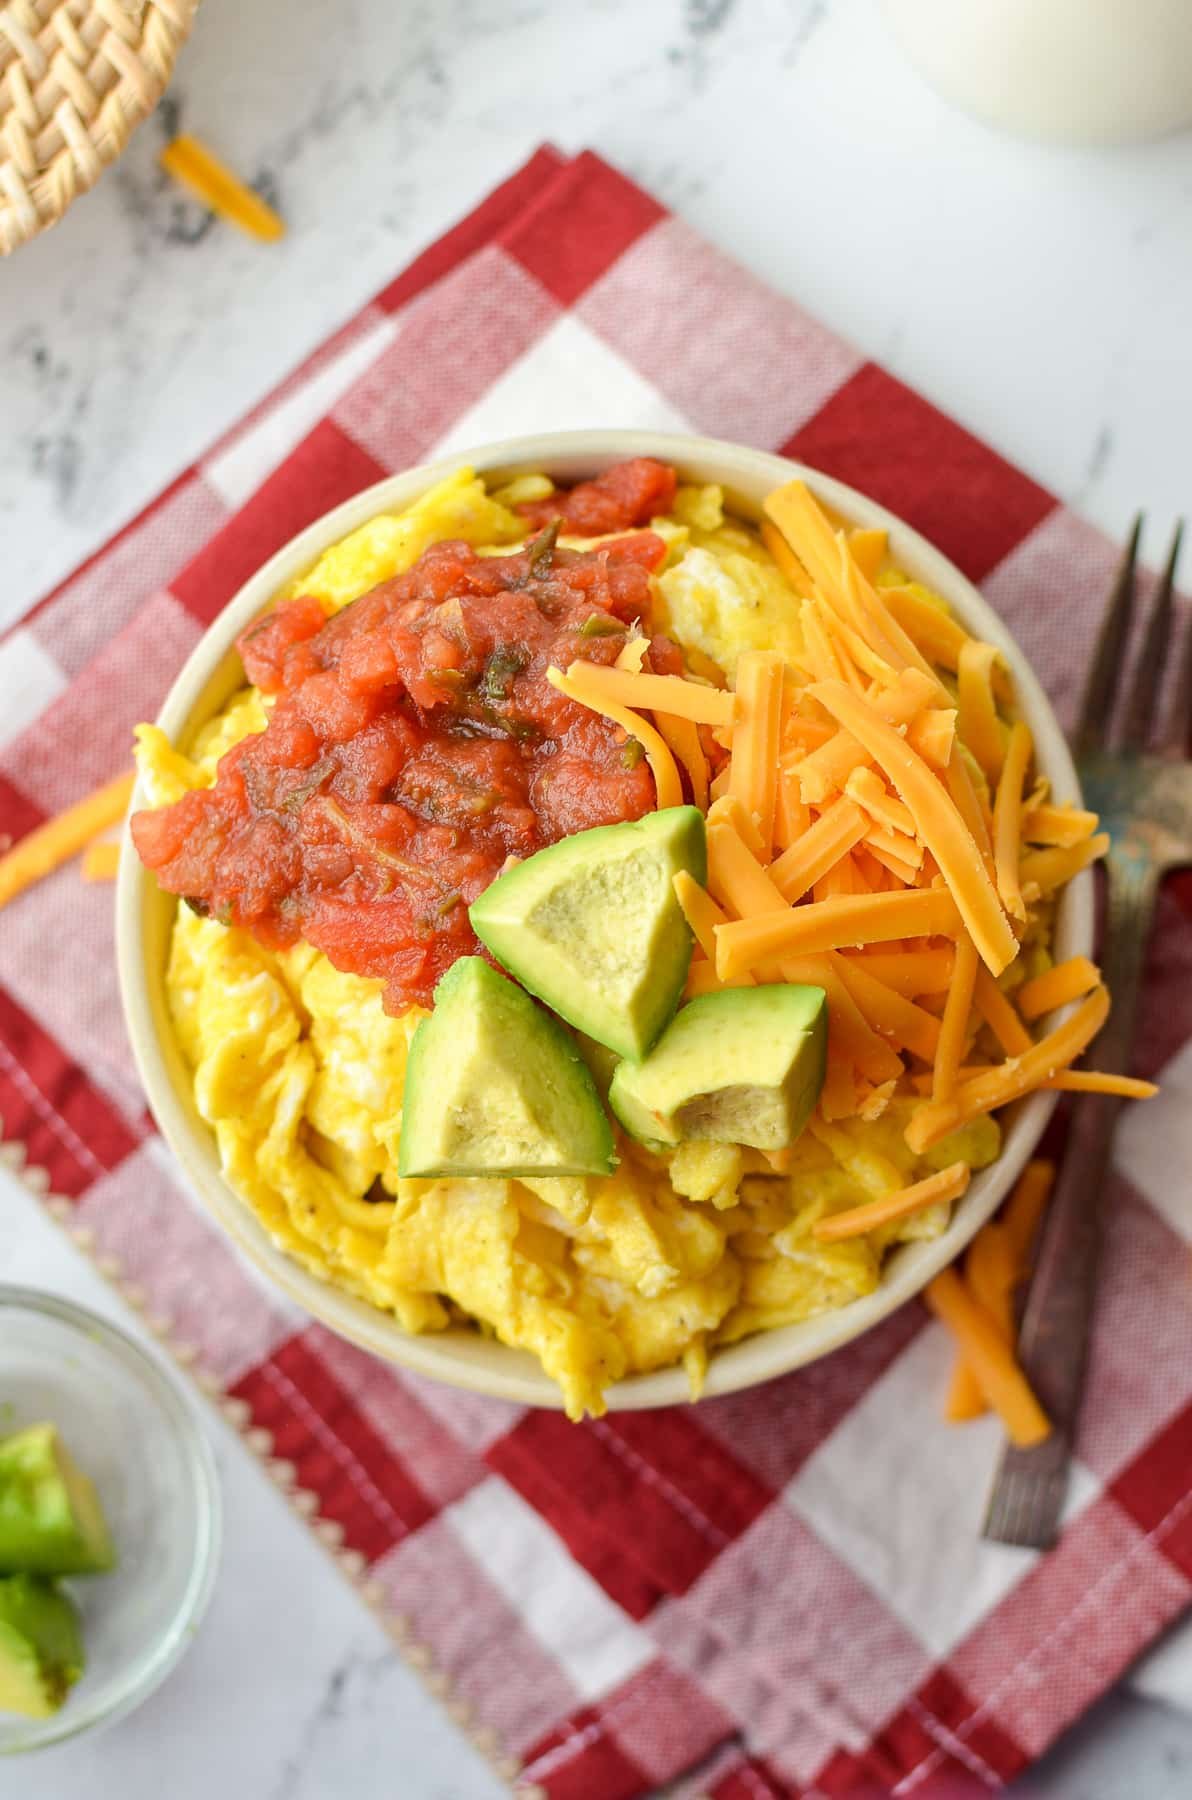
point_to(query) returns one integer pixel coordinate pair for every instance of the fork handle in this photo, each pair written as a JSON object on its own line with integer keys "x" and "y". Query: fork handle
{"x": 1053, "y": 1344}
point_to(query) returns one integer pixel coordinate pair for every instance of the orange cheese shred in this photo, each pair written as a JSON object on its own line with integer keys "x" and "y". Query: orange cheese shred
{"x": 791, "y": 818}
{"x": 839, "y": 1098}
{"x": 1044, "y": 1060}
{"x": 754, "y": 775}
{"x": 1095, "y": 1081}
{"x": 904, "y": 874}
{"x": 909, "y": 972}
{"x": 827, "y": 558}
{"x": 657, "y": 693}
{"x": 950, "y": 1045}
{"x": 850, "y": 1035}
{"x": 50, "y": 845}
{"x": 869, "y": 791}
{"x": 837, "y": 924}
{"x": 977, "y": 821}
{"x": 728, "y": 808}
{"x": 827, "y": 768}
{"x": 932, "y": 733}
{"x": 1025, "y": 1208}
{"x": 885, "y": 1010}
{"x": 736, "y": 878}
{"x": 1058, "y": 825}
{"x": 905, "y": 850}
{"x": 947, "y": 1184}
{"x": 788, "y": 563}
{"x": 868, "y": 548}
{"x": 577, "y": 686}
{"x": 935, "y": 632}
{"x": 1046, "y": 870}
{"x": 990, "y": 1358}
{"x": 703, "y": 915}
{"x": 801, "y": 734}
{"x": 1068, "y": 1081}
{"x": 938, "y": 824}
{"x": 741, "y": 884}
{"x": 212, "y": 183}
{"x": 1007, "y": 819}
{"x": 842, "y": 878}
{"x": 1000, "y": 1016}
{"x": 1058, "y": 985}
{"x": 821, "y": 846}
{"x": 682, "y": 739}
{"x": 819, "y": 652}
{"x": 991, "y": 1272}
{"x": 979, "y": 724}
{"x": 101, "y": 861}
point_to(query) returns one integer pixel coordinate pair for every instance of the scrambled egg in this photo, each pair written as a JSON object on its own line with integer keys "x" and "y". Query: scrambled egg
{"x": 299, "y": 1072}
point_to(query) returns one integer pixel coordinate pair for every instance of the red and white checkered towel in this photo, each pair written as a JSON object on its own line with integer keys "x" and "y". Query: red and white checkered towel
{"x": 780, "y": 1593}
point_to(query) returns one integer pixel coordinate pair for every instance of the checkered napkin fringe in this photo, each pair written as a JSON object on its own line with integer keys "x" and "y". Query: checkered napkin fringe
{"x": 779, "y": 1593}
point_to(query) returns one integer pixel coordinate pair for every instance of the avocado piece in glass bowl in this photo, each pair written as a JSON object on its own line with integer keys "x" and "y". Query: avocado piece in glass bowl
{"x": 51, "y": 1522}
{"x": 41, "y": 1646}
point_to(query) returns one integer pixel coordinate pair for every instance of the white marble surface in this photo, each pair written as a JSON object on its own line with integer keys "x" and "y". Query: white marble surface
{"x": 1039, "y": 294}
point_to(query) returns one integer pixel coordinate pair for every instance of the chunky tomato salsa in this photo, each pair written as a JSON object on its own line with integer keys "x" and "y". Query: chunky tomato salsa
{"x": 414, "y": 745}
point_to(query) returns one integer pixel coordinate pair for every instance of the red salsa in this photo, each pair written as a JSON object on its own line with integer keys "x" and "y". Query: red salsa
{"x": 628, "y": 494}
{"x": 413, "y": 746}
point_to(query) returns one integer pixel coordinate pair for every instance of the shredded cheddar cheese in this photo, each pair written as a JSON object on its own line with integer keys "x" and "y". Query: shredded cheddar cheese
{"x": 578, "y": 686}
{"x": 1044, "y": 1060}
{"x": 950, "y": 1045}
{"x": 1007, "y": 820}
{"x": 50, "y": 845}
{"x": 990, "y": 1358}
{"x": 938, "y": 823}
{"x": 101, "y": 861}
{"x": 948, "y": 1184}
{"x": 836, "y": 924}
{"x": 980, "y": 727}
{"x": 1058, "y": 985}
{"x": 754, "y": 777}
{"x": 657, "y": 693}
{"x": 217, "y": 187}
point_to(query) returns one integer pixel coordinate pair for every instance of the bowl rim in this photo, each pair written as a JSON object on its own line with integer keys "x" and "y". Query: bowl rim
{"x": 464, "y": 1358}
{"x": 150, "y": 1374}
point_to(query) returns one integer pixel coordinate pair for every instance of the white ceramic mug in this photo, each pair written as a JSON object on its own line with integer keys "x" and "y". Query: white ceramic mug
{"x": 1077, "y": 71}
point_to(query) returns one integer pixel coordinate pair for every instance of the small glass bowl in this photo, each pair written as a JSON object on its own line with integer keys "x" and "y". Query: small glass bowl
{"x": 130, "y": 1429}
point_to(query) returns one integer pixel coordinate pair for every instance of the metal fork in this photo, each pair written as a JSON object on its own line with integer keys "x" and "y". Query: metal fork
{"x": 1144, "y": 797}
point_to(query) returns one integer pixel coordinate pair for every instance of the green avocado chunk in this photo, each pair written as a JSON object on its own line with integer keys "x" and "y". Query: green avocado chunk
{"x": 50, "y": 1517}
{"x": 495, "y": 1086}
{"x": 744, "y": 1066}
{"x": 41, "y": 1649}
{"x": 592, "y": 925}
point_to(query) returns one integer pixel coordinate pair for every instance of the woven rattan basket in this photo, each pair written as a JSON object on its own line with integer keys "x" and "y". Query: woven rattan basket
{"x": 76, "y": 78}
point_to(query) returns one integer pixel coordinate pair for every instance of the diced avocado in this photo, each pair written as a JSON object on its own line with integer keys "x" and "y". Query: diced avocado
{"x": 744, "y": 1066}
{"x": 495, "y": 1086}
{"x": 50, "y": 1517}
{"x": 41, "y": 1649}
{"x": 592, "y": 926}
{"x": 602, "y": 1062}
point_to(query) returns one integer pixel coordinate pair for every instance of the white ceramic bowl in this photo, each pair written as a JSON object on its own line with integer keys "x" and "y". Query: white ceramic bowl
{"x": 144, "y": 916}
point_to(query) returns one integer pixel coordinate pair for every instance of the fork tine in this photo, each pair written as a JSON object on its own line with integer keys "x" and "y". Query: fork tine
{"x": 1140, "y": 707}
{"x": 1102, "y": 676}
{"x": 1177, "y": 738}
